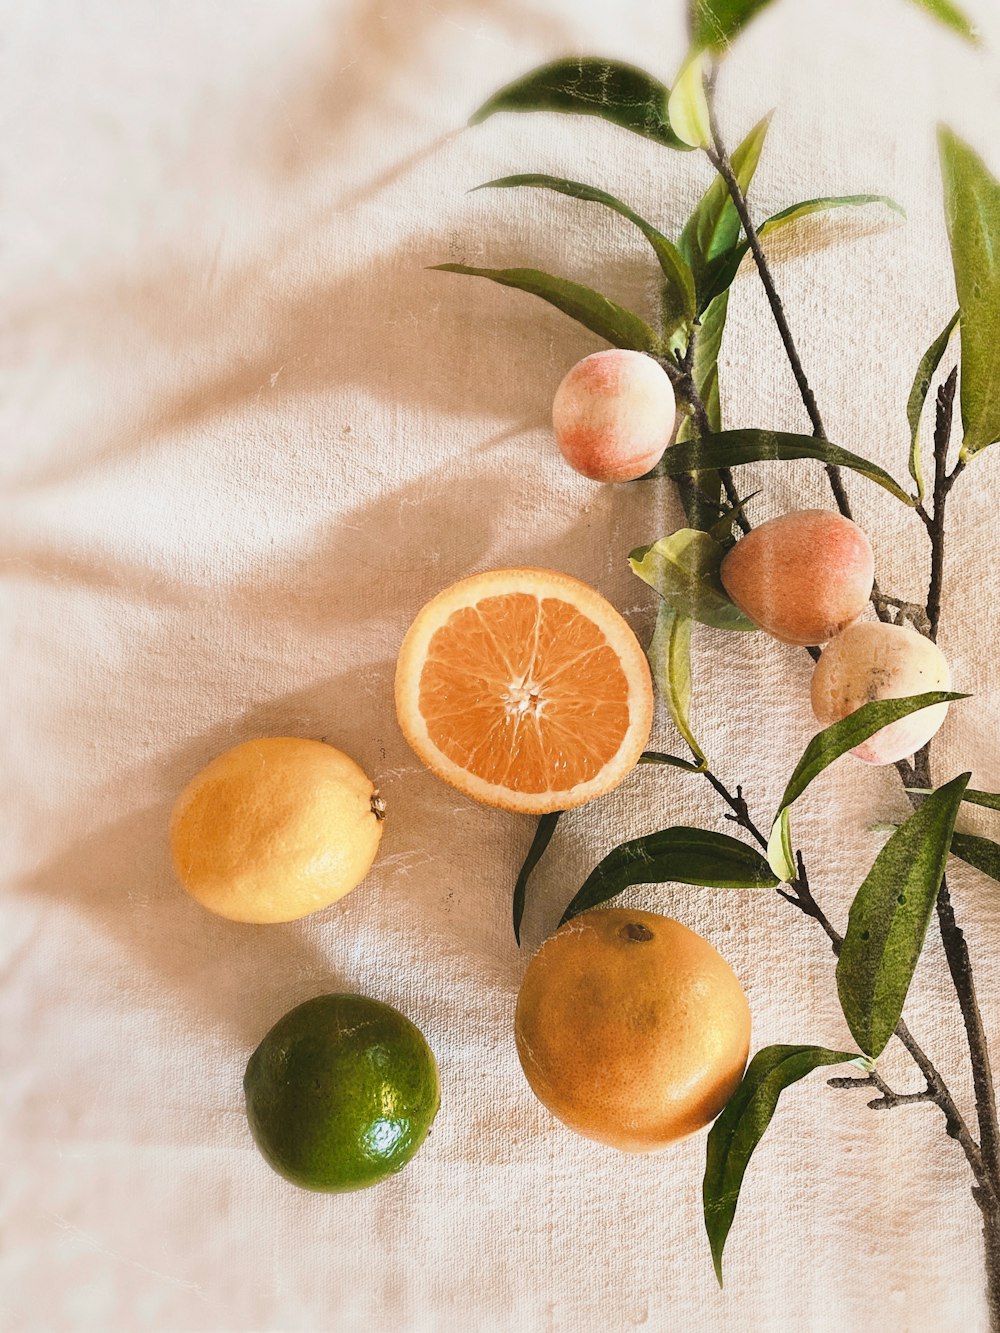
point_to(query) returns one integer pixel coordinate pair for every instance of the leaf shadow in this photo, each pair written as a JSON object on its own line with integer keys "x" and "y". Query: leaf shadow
{"x": 253, "y": 344}
{"x": 369, "y": 574}
{"x": 356, "y": 65}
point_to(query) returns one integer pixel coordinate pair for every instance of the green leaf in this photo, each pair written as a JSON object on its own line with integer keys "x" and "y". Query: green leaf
{"x": 981, "y": 853}
{"x": 670, "y": 659}
{"x": 972, "y": 211}
{"x": 828, "y": 745}
{"x": 684, "y": 569}
{"x": 713, "y": 229}
{"x": 674, "y": 856}
{"x": 722, "y": 530}
{"x": 731, "y": 448}
{"x": 687, "y": 106}
{"x": 824, "y": 205}
{"x": 714, "y": 23}
{"x": 724, "y": 271}
{"x": 989, "y": 799}
{"x": 618, "y": 326}
{"x": 780, "y": 855}
{"x": 591, "y": 86}
{"x": 705, "y": 368}
{"x": 918, "y": 396}
{"x": 543, "y": 836}
{"x": 671, "y": 760}
{"x": 952, "y": 16}
{"x": 836, "y": 739}
{"x": 889, "y": 918}
{"x": 679, "y": 299}
{"x": 740, "y": 1127}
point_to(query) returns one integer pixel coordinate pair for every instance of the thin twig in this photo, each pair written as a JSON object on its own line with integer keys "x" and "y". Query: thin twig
{"x": 720, "y": 159}
{"x": 802, "y": 897}
{"x": 888, "y": 1100}
{"x": 688, "y": 392}
{"x": 942, "y": 484}
{"x": 953, "y": 939}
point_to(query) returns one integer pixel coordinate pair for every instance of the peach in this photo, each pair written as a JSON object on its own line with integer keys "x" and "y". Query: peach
{"x": 614, "y": 414}
{"x": 876, "y": 661}
{"x": 801, "y": 577}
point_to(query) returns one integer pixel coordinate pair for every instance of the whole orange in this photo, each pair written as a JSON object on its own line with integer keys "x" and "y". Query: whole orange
{"x": 631, "y": 1028}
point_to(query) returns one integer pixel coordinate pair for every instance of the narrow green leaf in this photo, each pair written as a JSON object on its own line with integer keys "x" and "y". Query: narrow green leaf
{"x": 731, "y": 448}
{"x": 918, "y": 396}
{"x": 780, "y": 855}
{"x": 679, "y": 298}
{"x": 618, "y": 326}
{"x": 705, "y": 370}
{"x": 889, "y": 918}
{"x": 951, "y": 16}
{"x": 670, "y": 659}
{"x": 835, "y": 740}
{"x": 714, "y": 23}
{"x": 713, "y": 229}
{"x": 724, "y": 270}
{"x": 674, "y": 856}
{"x": 989, "y": 799}
{"x": 981, "y": 853}
{"x": 687, "y": 106}
{"x": 828, "y": 745}
{"x": 824, "y": 205}
{"x": 671, "y": 761}
{"x": 684, "y": 569}
{"x": 591, "y": 86}
{"x": 722, "y": 530}
{"x": 740, "y": 1127}
{"x": 972, "y": 211}
{"x": 543, "y": 836}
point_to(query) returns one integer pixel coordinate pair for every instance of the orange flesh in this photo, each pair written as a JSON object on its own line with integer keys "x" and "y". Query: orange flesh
{"x": 524, "y": 693}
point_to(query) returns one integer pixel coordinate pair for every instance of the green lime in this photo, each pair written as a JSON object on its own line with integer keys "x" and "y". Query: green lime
{"x": 341, "y": 1093}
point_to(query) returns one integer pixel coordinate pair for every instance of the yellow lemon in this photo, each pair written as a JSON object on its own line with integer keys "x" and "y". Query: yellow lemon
{"x": 276, "y": 828}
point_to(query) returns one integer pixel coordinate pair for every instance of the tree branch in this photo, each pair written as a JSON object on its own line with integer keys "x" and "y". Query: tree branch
{"x": 687, "y": 391}
{"x": 802, "y": 897}
{"x": 942, "y": 485}
{"x": 720, "y": 159}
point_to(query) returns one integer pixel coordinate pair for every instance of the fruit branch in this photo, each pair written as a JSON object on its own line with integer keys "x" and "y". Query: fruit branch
{"x": 720, "y": 160}
{"x": 942, "y": 485}
{"x": 682, "y": 377}
{"x": 952, "y": 936}
{"x": 936, "y": 1090}
{"x": 985, "y": 1163}
{"x": 888, "y": 1099}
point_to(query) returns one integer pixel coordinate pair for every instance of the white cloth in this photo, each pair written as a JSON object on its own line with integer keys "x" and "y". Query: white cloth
{"x": 247, "y": 434}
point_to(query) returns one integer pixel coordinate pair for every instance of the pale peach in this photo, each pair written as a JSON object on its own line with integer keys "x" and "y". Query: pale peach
{"x": 876, "y": 661}
{"x": 802, "y": 577}
{"x": 613, "y": 415}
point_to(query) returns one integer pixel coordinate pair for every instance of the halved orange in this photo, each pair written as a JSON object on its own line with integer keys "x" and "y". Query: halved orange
{"x": 525, "y": 689}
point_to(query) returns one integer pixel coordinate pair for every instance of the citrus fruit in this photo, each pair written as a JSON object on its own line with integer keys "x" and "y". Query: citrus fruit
{"x": 631, "y": 1028}
{"x": 341, "y": 1093}
{"x": 274, "y": 829}
{"x": 524, "y": 689}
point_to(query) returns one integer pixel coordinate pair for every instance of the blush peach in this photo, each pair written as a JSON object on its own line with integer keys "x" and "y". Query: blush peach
{"x": 613, "y": 415}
